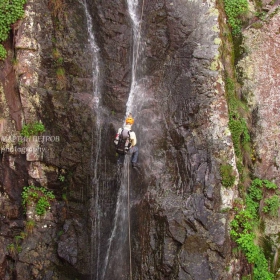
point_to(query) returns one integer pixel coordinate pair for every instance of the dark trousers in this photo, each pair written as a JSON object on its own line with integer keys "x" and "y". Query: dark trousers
{"x": 134, "y": 155}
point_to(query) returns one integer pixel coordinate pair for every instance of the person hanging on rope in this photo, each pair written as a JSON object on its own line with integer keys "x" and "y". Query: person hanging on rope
{"x": 125, "y": 141}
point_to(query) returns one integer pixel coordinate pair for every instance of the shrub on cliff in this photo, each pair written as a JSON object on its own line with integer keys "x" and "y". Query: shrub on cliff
{"x": 235, "y": 9}
{"x": 39, "y": 196}
{"x": 10, "y": 12}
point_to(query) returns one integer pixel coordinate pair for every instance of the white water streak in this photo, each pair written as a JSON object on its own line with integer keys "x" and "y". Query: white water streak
{"x": 97, "y": 135}
{"x": 120, "y": 213}
{"x": 132, "y": 8}
{"x": 120, "y": 218}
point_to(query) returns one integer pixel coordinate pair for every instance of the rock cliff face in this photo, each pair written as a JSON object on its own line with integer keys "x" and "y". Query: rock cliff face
{"x": 178, "y": 219}
{"x": 259, "y": 72}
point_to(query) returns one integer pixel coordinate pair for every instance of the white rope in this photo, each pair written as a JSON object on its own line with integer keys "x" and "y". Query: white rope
{"x": 128, "y": 214}
{"x": 128, "y": 182}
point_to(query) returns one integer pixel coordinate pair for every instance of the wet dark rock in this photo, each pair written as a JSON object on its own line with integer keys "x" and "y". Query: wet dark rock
{"x": 181, "y": 117}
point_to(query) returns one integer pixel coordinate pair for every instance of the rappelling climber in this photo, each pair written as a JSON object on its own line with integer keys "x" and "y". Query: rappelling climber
{"x": 125, "y": 142}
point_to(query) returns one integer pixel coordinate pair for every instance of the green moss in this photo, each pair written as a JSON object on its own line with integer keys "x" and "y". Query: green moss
{"x": 237, "y": 125}
{"x": 60, "y": 71}
{"x": 237, "y": 48}
{"x": 227, "y": 174}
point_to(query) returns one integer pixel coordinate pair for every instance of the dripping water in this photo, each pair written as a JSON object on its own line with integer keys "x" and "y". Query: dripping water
{"x": 96, "y": 138}
{"x": 136, "y": 24}
{"x": 116, "y": 264}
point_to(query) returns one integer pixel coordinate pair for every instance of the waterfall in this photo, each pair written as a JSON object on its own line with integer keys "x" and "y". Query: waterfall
{"x": 113, "y": 263}
{"x": 117, "y": 263}
{"x": 96, "y": 137}
{"x": 134, "y": 87}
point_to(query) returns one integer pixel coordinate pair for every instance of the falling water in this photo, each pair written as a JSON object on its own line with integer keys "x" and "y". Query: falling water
{"x": 96, "y": 137}
{"x": 136, "y": 22}
{"x": 117, "y": 263}
{"x": 116, "y": 260}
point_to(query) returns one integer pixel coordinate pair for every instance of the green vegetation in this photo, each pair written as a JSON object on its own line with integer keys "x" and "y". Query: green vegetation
{"x": 32, "y": 129}
{"x": 10, "y": 12}
{"x": 235, "y": 9}
{"x": 272, "y": 205}
{"x": 61, "y": 178}
{"x": 15, "y": 248}
{"x": 58, "y": 59}
{"x": 258, "y": 198}
{"x": 61, "y": 78}
{"x": 60, "y": 72}
{"x": 64, "y": 197}
{"x": 227, "y": 175}
{"x": 238, "y": 125}
{"x": 247, "y": 221}
{"x": 30, "y": 226}
{"x": 40, "y": 196}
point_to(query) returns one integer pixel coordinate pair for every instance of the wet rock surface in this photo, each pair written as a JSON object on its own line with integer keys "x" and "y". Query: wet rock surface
{"x": 183, "y": 111}
{"x": 178, "y": 227}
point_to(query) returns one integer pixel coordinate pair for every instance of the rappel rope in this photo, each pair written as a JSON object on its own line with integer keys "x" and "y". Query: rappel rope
{"x": 128, "y": 214}
{"x": 128, "y": 182}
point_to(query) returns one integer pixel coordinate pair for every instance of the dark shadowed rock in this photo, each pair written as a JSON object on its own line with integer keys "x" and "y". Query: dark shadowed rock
{"x": 178, "y": 229}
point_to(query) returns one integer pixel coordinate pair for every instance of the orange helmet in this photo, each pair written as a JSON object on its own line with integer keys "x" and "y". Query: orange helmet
{"x": 129, "y": 120}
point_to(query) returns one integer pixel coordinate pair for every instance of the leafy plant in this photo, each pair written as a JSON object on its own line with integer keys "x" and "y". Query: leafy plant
{"x": 10, "y": 12}
{"x": 3, "y": 52}
{"x": 14, "y": 248}
{"x": 40, "y": 196}
{"x": 272, "y": 205}
{"x": 261, "y": 15}
{"x": 61, "y": 178}
{"x": 243, "y": 234}
{"x": 247, "y": 221}
{"x": 32, "y": 129}
{"x": 270, "y": 185}
{"x": 59, "y": 61}
{"x": 20, "y": 237}
{"x": 235, "y": 9}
